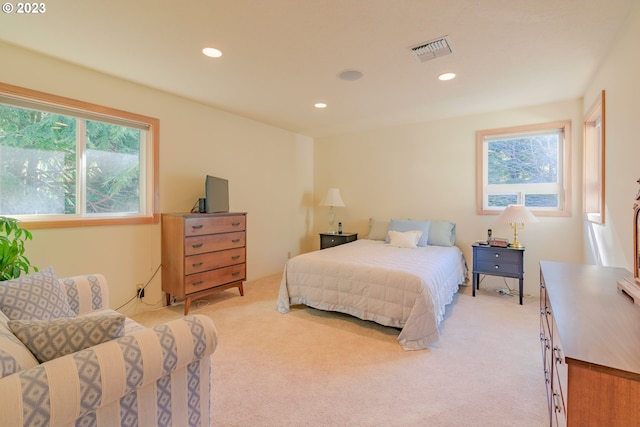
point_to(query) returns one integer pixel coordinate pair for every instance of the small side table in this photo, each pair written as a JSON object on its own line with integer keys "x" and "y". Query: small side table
{"x": 496, "y": 261}
{"x": 328, "y": 240}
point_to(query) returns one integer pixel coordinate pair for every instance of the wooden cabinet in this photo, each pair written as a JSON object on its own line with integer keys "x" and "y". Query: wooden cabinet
{"x": 328, "y": 240}
{"x": 590, "y": 339}
{"x": 496, "y": 261}
{"x": 202, "y": 253}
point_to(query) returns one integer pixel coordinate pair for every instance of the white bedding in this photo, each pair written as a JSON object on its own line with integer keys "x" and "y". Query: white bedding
{"x": 368, "y": 279}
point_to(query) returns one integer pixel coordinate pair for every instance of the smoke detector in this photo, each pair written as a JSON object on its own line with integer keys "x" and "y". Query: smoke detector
{"x": 432, "y": 49}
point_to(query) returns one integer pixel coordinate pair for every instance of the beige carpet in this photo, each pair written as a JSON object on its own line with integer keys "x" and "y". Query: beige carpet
{"x": 313, "y": 368}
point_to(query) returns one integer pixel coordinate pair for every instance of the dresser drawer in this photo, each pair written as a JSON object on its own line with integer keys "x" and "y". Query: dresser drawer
{"x": 213, "y": 242}
{"x": 497, "y": 267}
{"x": 211, "y": 279}
{"x": 560, "y": 368}
{"x": 200, "y": 225}
{"x": 203, "y": 262}
{"x": 501, "y": 255}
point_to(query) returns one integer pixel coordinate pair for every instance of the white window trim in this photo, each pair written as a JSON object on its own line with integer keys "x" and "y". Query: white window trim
{"x": 565, "y": 171}
{"x": 149, "y": 161}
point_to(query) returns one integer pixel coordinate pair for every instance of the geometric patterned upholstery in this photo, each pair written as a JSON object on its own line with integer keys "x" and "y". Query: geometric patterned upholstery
{"x": 34, "y": 296}
{"x": 14, "y": 356}
{"x": 157, "y": 376}
{"x": 49, "y": 339}
{"x": 86, "y": 293}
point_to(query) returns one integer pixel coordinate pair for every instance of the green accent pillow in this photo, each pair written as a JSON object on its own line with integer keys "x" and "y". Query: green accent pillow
{"x": 442, "y": 233}
{"x": 50, "y": 339}
{"x": 378, "y": 229}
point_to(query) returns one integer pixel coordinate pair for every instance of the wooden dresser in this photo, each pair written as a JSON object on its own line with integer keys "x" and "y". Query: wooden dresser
{"x": 590, "y": 337}
{"x": 202, "y": 254}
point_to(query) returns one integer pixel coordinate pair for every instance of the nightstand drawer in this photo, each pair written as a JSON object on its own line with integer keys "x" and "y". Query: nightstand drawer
{"x": 331, "y": 240}
{"x": 499, "y": 268}
{"x": 498, "y": 255}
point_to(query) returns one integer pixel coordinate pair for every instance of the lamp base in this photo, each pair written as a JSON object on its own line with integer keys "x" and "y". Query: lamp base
{"x": 516, "y": 245}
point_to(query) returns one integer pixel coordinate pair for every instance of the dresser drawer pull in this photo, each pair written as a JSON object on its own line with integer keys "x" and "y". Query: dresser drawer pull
{"x": 235, "y": 273}
{"x": 197, "y": 264}
{"x": 235, "y": 224}
{"x": 557, "y": 353}
{"x": 197, "y": 227}
{"x": 556, "y": 402}
{"x": 235, "y": 257}
{"x": 547, "y": 378}
{"x": 197, "y": 246}
{"x": 235, "y": 240}
{"x": 198, "y": 283}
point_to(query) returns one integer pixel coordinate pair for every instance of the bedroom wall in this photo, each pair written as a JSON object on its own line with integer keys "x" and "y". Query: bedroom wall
{"x": 612, "y": 243}
{"x": 270, "y": 173}
{"x": 428, "y": 170}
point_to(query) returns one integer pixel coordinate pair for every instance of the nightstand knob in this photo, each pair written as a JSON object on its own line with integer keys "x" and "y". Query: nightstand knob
{"x": 497, "y": 255}
{"x": 497, "y": 267}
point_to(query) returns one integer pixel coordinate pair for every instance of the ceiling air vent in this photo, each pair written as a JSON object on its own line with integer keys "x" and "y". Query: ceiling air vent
{"x": 433, "y": 49}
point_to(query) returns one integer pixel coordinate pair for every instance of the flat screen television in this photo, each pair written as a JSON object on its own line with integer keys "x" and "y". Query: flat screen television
{"x": 216, "y": 195}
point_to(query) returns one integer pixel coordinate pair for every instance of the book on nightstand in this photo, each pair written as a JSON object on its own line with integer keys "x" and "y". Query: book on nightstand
{"x": 501, "y": 243}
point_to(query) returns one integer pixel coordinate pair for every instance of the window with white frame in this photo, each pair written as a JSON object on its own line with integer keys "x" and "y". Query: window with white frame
{"x": 527, "y": 165}
{"x": 67, "y": 163}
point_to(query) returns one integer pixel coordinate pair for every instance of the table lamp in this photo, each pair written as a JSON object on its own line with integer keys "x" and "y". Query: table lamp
{"x": 332, "y": 199}
{"x": 516, "y": 216}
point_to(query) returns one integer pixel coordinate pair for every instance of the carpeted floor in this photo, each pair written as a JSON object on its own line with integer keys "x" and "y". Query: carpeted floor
{"x": 314, "y": 368}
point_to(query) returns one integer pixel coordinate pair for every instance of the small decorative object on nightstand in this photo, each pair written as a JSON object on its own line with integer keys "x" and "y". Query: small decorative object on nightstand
{"x": 497, "y": 261}
{"x": 328, "y": 240}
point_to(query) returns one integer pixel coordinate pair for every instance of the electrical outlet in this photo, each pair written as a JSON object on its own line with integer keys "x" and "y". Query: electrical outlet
{"x": 140, "y": 292}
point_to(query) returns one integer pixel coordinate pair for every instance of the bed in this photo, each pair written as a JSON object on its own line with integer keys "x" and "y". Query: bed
{"x": 372, "y": 279}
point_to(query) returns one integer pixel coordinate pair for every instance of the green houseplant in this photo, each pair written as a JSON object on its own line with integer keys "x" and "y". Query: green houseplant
{"x": 13, "y": 262}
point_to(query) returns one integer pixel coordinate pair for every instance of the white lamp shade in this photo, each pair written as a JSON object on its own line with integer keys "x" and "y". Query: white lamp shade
{"x": 516, "y": 214}
{"x": 333, "y": 198}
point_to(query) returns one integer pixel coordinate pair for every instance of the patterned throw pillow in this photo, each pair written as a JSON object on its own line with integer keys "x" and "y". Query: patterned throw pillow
{"x": 49, "y": 339}
{"x": 35, "y": 296}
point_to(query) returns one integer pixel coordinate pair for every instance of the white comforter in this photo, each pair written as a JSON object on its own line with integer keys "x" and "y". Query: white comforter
{"x": 368, "y": 279}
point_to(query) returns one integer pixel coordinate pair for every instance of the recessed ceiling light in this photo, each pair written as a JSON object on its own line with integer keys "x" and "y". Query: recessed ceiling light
{"x": 447, "y": 76}
{"x": 212, "y": 52}
{"x": 320, "y": 105}
{"x": 350, "y": 75}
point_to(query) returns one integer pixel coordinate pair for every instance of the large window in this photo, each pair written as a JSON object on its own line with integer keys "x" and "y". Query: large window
{"x": 68, "y": 163}
{"x": 528, "y": 165}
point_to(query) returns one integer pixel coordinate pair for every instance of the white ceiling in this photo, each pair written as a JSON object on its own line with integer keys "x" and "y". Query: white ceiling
{"x": 282, "y": 56}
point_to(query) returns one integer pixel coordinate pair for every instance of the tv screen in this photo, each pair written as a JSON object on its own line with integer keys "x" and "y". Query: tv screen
{"x": 216, "y": 195}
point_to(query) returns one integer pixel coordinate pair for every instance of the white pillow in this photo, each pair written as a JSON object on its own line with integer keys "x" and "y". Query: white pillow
{"x": 411, "y": 225}
{"x": 404, "y": 239}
